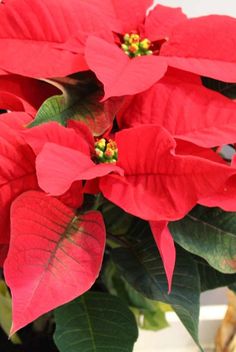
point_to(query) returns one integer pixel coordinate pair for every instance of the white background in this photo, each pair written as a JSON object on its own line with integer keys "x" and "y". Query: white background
{"x": 195, "y": 8}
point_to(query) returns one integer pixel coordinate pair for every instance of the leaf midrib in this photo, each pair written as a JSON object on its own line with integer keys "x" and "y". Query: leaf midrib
{"x": 89, "y": 323}
{"x": 193, "y": 218}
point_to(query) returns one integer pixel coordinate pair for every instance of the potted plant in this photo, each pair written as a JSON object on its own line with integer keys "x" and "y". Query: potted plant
{"x": 117, "y": 176}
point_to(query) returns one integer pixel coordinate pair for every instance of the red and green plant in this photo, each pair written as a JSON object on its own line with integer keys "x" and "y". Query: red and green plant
{"x": 117, "y": 173}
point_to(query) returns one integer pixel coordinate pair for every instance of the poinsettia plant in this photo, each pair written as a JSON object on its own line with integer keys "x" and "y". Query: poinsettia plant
{"x": 118, "y": 168}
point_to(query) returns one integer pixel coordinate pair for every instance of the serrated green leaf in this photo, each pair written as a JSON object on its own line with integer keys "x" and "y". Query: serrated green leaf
{"x": 6, "y": 312}
{"x": 211, "y": 278}
{"x": 150, "y": 315}
{"x": 95, "y": 322}
{"x": 141, "y": 266}
{"x": 209, "y": 233}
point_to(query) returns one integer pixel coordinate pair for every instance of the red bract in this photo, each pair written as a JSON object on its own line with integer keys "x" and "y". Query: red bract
{"x": 188, "y": 44}
{"x": 53, "y": 145}
{"x": 49, "y": 244}
{"x": 225, "y": 198}
{"x": 46, "y": 38}
{"x": 19, "y": 93}
{"x": 65, "y": 153}
{"x": 54, "y": 255}
{"x": 226, "y": 194}
{"x": 16, "y": 165}
{"x": 166, "y": 247}
{"x": 157, "y": 184}
{"x": 186, "y": 109}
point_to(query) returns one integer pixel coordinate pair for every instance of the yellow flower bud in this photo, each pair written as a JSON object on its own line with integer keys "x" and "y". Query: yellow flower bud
{"x": 126, "y": 38}
{"x": 145, "y": 44}
{"x": 125, "y": 47}
{"x": 133, "y": 48}
{"x": 134, "y": 38}
{"x": 101, "y": 144}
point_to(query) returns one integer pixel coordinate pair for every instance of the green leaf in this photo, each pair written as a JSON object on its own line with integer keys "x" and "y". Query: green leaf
{"x": 53, "y": 109}
{"x": 141, "y": 266}
{"x": 116, "y": 219}
{"x": 210, "y": 234}
{"x": 226, "y": 89}
{"x": 72, "y": 105}
{"x": 149, "y": 314}
{"x": 6, "y": 312}
{"x": 95, "y": 322}
{"x": 211, "y": 278}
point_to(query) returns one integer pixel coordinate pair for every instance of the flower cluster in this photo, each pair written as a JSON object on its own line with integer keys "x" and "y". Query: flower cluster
{"x": 107, "y": 124}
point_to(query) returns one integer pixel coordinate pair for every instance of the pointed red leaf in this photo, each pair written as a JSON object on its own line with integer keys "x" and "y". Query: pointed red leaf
{"x": 123, "y": 16}
{"x": 54, "y": 255}
{"x": 226, "y": 195}
{"x": 53, "y": 132}
{"x": 17, "y": 171}
{"x": 9, "y": 101}
{"x": 107, "y": 9}
{"x": 74, "y": 197}
{"x": 37, "y": 136}
{"x": 225, "y": 198}
{"x": 83, "y": 131}
{"x": 166, "y": 247}
{"x": 31, "y": 91}
{"x": 206, "y": 118}
{"x": 131, "y": 13}
{"x": 161, "y": 21}
{"x": 16, "y": 121}
{"x": 204, "y": 45}
{"x": 120, "y": 74}
{"x": 55, "y": 29}
{"x": 159, "y": 185}
{"x": 187, "y": 148}
{"x": 68, "y": 165}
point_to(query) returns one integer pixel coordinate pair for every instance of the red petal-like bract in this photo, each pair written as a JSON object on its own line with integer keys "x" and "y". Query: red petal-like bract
{"x": 53, "y": 132}
{"x": 120, "y": 74}
{"x": 74, "y": 197}
{"x": 166, "y": 247}
{"x": 204, "y": 45}
{"x": 77, "y": 137}
{"x": 9, "y": 101}
{"x": 157, "y": 184}
{"x": 17, "y": 170}
{"x": 161, "y": 21}
{"x": 189, "y": 44}
{"x": 46, "y": 38}
{"x": 32, "y": 92}
{"x": 190, "y": 149}
{"x": 131, "y": 13}
{"x": 206, "y": 118}
{"x": 225, "y": 198}
{"x": 68, "y": 165}
{"x": 54, "y": 255}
